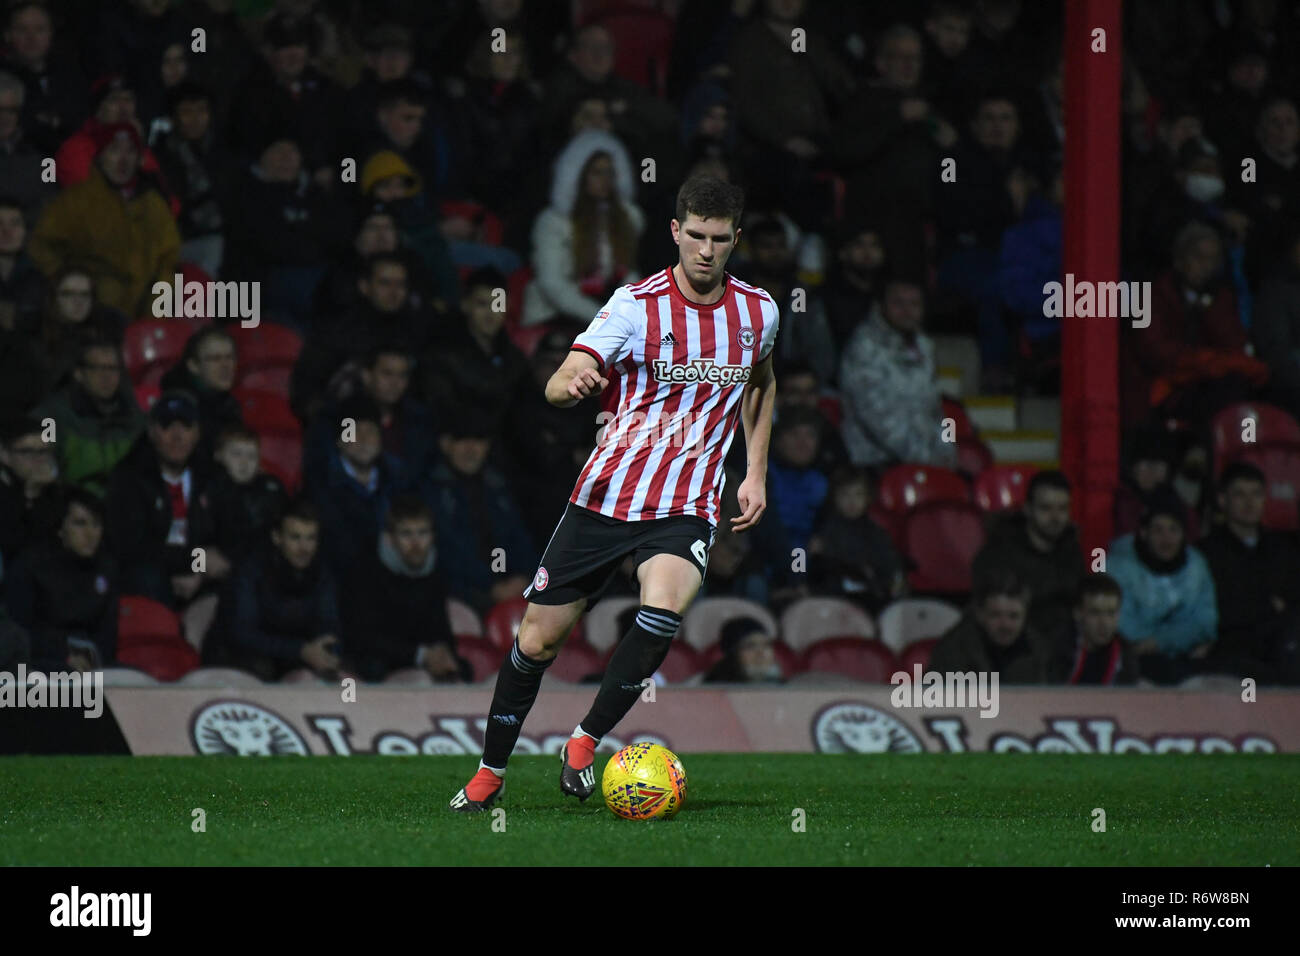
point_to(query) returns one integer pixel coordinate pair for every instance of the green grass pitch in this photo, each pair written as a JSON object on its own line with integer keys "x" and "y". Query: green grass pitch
{"x": 923, "y": 809}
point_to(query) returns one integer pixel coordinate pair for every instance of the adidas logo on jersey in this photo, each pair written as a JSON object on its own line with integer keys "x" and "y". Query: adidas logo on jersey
{"x": 700, "y": 370}
{"x": 668, "y": 339}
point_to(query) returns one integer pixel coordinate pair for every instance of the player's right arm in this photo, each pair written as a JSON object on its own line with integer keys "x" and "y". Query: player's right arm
{"x": 576, "y": 379}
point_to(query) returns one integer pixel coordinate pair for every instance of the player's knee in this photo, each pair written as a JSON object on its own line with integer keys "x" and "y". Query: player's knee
{"x": 541, "y": 640}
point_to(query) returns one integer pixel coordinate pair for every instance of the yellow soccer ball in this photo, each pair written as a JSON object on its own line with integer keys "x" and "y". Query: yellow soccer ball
{"x": 644, "y": 782}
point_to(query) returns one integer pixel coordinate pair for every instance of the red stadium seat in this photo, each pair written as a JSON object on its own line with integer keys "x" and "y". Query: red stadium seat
{"x": 282, "y": 457}
{"x": 868, "y": 661}
{"x": 1280, "y": 463}
{"x": 973, "y": 457}
{"x": 483, "y": 656}
{"x": 702, "y": 626}
{"x": 955, "y": 410}
{"x": 643, "y": 39}
{"x": 791, "y": 661}
{"x": 266, "y": 345}
{"x": 942, "y": 538}
{"x": 149, "y": 638}
{"x": 151, "y": 346}
{"x": 917, "y": 653}
{"x": 575, "y": 662}
{"x": 526, "y": 338}
{"x": 908, "y": 620}
{"x": 809, "y": 620}
{"x": 1003, "y": 487}
{"x": 1272, "y": 425}
{"x": 903, "y": 487}
{"x": 267, "y": 412}
{"x": 464, "y": 619}
{"x": 273, "y": 379}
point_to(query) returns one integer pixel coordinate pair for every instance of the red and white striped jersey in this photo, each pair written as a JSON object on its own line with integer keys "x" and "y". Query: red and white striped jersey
{"x": 676, "y": 373}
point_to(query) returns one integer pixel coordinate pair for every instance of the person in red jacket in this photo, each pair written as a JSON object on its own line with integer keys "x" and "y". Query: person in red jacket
{"x": 1191, "y": 360}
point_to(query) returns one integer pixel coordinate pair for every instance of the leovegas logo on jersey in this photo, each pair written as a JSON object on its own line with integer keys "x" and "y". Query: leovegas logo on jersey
{"x": 700, "y": 370}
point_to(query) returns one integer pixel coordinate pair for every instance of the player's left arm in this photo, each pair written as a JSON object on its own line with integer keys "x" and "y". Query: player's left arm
{"x": 757, "y": 404}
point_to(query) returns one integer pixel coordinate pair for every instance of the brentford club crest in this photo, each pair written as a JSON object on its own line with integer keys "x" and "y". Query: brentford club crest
{"x": 539, "y": 582}
{"x": 746, "y": 338}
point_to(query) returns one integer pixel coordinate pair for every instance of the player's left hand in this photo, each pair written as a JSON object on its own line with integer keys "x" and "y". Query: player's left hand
{"x": 752, "y": 498}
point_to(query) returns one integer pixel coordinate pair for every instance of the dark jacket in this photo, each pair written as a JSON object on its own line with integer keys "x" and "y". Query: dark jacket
{"x": 460, "y": 374}
{"x": 474, "y": 516}
{"x": 278, "y": 224}
{"x": 1246, "y": 579}
{"x": 139, "y": 519}
{"x": 64, "y": 602}
{"x": 272, "y": 608}
{"x": 24, "y": 522}
{"x": 245, "y": 514}
{"x": 1053, "y": 577}
{"x": 1116, "y": 664}
{"x": 352, "y": 515}
{"x": 389, "y": 612}
{"x": 965, "y": 647}
{"x": 409, "y": 437}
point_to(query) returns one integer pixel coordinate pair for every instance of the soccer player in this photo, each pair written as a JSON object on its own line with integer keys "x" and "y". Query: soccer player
{"x": 678, "y": 358}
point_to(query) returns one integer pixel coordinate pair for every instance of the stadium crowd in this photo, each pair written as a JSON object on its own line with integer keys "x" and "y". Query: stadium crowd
{"x": 434, "y": 197}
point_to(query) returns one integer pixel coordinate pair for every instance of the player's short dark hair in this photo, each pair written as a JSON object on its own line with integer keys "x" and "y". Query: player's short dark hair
{"x": 1001, "y": 582}
{"x": 236, "y": 432}
{"x": 710, "y": 198}
{"x": 1098, "y": 584}
{"x": 407, "y": 507}
{"x": 1050, "y": 478}
{"x": 1240, "y": 471}
{"x": 299, "y": 509}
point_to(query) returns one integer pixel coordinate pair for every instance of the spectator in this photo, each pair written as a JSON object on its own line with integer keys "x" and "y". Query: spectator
{"x": 207, "y": 371}
{"x": 1275, "y": 328}
{"x": 854, "y": 282}
{"x": 20, "y": 159}
{"x": 995, "y": 635}
{"x": 353, "y": 494}
{"x": 1272, "y": 201}
{"x": 585, "y": 241}
{"x": 282, "y": 232}
{"x": 246, "y": 501}
{"x": 113, "y": 104}
{"x": 1254, "y": 574}
{"x": 63, "y": 590}
{"x": 406, "y": 423}
{"x": 747, "y": 655}
{"x": 806, "y": 334}
{"x": 478, "y": 364}
{"x": 159, "y": 512}
{"x": 399, "y": 124}
{"x": 947, "y": 42}
{"x": 22, "y": 288}
{"x": 229, "y": 53}
{"x": 1191, "y": 361}
{"x": 383, "y": 320}
{"x": 396, "y": 616}
{"x": 477, "y": 517}
{"x": 1149, "y": 470}
{"x": 281, "y": 612}
{"x": 1230, "y": 114}
{"x": 73, "y": 319}
{"x": 797, "y": 487}
{"x": 1041, "y": 546}
{"x": 376, "y": 233}
{"x": 288, "y": 98}
{"x": 850, "y": 555}
{"x": 173, "y": 72}
{"x": 114, "y": 224}
{"x": 388, "y": 56}
{"x": 1094, "y": 651}
{"x": 1031, "y": 257}
{"x": 55, "y": 99}
{"x": 96, "y": 417}
{"x": 198, "y": 167}
{"x": 996, "y": 180}
{"x": 801, "y": 388}
{"x": 1169, "y": 612}
{"x": 892, "y": 406}
{"x": 29, "y": 494}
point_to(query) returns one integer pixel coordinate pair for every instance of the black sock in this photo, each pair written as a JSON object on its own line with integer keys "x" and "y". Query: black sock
{"x": 518, "y": 681}
{"x": 635, "y": 659}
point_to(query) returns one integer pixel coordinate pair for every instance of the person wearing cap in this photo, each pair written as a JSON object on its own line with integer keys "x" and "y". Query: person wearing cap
{"x": 476, "y": 514}
{"x": 113, "y": 102}
{"x": 361, "y": 479}
{"x": 288, "y": 96}
{"x": 158, "y": 509}
{"x": 1255, "y": 572}
{"x": 1170, "y": 612}
{"x": 115, "y": 224}
{"x": 747, "y": 655}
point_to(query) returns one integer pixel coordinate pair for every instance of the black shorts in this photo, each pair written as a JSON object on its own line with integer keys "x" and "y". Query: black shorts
{"x": 587, "y": 548}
